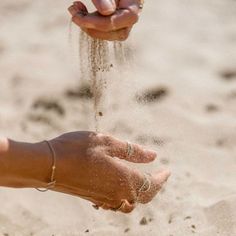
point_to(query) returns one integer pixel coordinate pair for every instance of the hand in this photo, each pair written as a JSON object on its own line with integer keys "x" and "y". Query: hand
{"x": 112, "y": 21}
{"x": 87, "y": 167}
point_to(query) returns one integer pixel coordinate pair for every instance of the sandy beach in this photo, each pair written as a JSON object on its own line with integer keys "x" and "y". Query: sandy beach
{"x": 184, "y": 64}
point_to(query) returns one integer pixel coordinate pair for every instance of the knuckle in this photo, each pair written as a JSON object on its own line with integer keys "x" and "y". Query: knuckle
{"x": 130, "y": 191}
{"x": 134, "y": 17}
{"x": 74, "y": 19}
{"x": 93, "y": 139}
{"x": 107, "y": 140}
{"x": 93, "y": 135}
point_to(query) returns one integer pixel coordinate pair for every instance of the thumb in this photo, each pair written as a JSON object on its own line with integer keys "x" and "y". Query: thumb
{"x": 105, "y": 7}
{"x": 160, "y": 177}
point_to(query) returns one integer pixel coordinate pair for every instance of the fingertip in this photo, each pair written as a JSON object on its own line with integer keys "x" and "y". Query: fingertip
{"x": 162, "y": 176}
{"x": 166, "y": 175}
{"x": 80, "y": 6}
{"x": 80, "y": 20}
{"x": 105, "y": 7}
{"x": 151, "y": 155}
{"x": 72, "y": 10}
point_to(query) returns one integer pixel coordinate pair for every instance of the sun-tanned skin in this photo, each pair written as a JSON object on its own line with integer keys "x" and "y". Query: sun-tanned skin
{"x": 87, "y": 163}
{"x": 112, "y": 21}
{"x": 86, "y": 167}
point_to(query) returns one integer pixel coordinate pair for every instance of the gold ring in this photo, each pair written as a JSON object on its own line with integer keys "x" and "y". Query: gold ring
{"x": 145, "y": 187}
{"x": 146, "y": 184}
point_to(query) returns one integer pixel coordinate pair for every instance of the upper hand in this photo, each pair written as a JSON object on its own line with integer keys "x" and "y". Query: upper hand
{"x": 111, "y": 22}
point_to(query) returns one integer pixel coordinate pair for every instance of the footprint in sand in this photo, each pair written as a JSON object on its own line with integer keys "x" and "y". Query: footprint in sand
{"x": 46, "y": 111}
{"x": 211, "y": 108}
{"x": 81, "y": 92}
{"x": 228, "y": 74}
{"x": 152, "y": 95}
{"x": 221, "y": 142}
{"x": 49, "y": 105}
{"x": 39, "y": 118}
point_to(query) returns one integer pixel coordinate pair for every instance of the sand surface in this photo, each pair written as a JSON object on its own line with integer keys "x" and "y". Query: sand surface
{"x": 185, "y": 56}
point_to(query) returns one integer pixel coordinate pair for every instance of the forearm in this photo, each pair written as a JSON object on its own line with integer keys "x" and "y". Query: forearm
{"x": 23, "y": 165}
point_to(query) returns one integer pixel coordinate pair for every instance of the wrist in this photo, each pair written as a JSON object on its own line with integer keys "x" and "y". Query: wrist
{"x": 24, "y": 165}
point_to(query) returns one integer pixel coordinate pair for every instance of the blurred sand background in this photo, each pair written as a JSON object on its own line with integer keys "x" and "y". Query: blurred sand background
{"x": 185, "y": 58}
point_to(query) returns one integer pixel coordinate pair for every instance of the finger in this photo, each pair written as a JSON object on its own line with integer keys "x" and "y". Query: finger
{"x": 105, "y": 204}
{"x": 160, "y": 178}
{"x": 105, "y": 7}
{"x": 156, "y": 183}
{"x": 126, "y": 207}
{"x": 120, "y": 149}
{"x": 122, "y": 18}
{"x": 119, "y": 35}
{"x": 97, "y": 201}
{"x": 78, "y": 8}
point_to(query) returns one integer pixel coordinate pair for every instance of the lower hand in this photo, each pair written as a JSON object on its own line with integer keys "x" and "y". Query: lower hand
{"x": 88, "y": 166}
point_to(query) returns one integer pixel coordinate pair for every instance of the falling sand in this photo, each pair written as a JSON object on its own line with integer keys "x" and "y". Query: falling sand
{"x": 95, "y": 63}
{"x": 97, "y": 58}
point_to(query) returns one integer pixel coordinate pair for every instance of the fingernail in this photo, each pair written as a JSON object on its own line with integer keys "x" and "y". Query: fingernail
{"x": 152, "y": 153}
{"x": 108, "y": 6}
{"x": 76, "y": 7}
{"x": 79, "y": 10}
{"x": 72, "y": 10}
{"x": 168, "y": 174}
